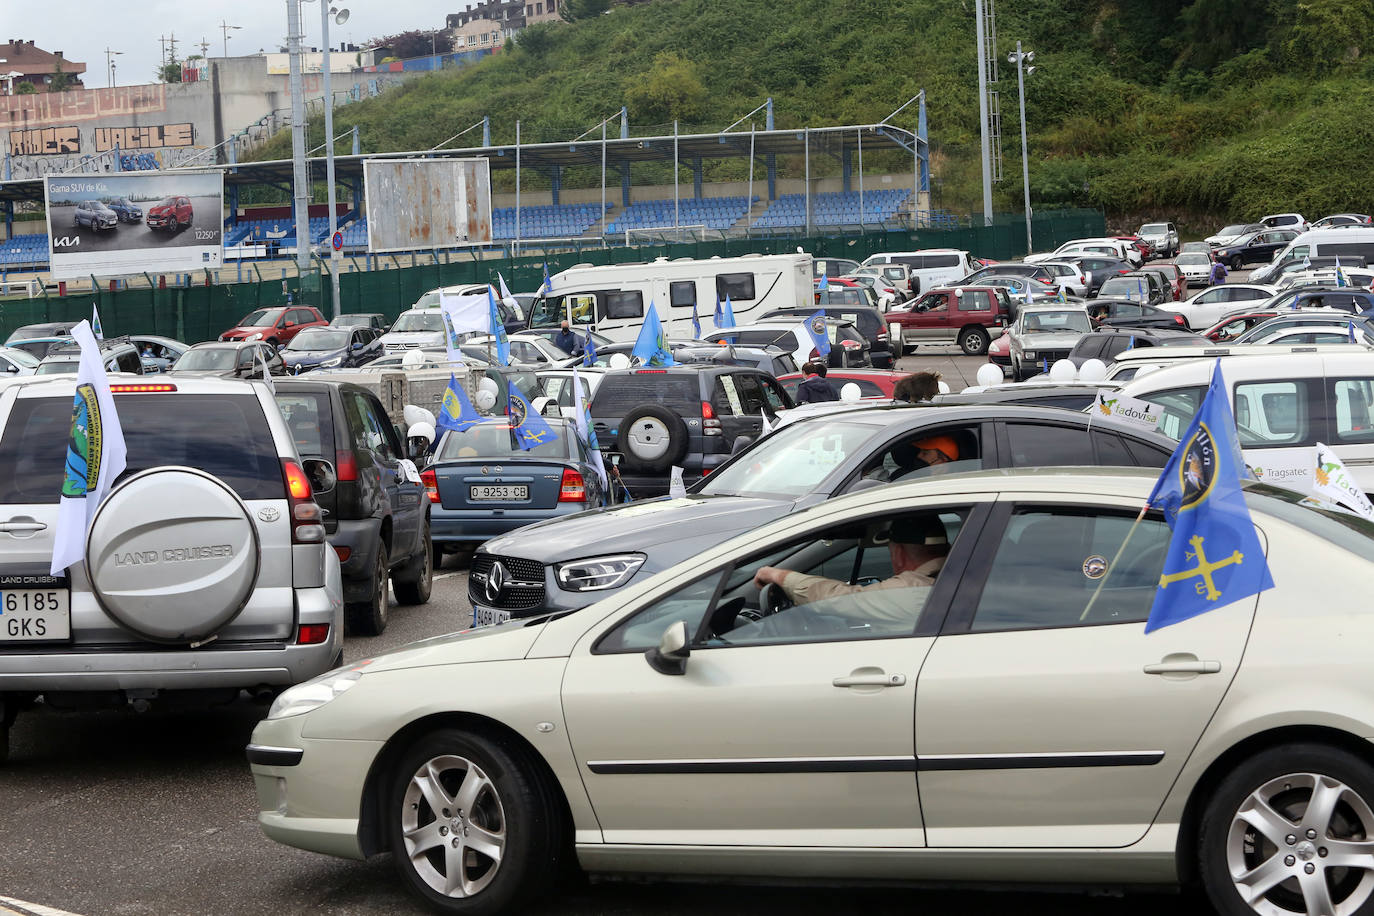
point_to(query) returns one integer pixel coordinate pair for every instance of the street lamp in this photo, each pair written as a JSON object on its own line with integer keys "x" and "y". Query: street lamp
{"x": 1019, "y": 58}
{"x": 109, "y": 66}
{"x": 335, "y": 256}
{"x": 225, "y": 28}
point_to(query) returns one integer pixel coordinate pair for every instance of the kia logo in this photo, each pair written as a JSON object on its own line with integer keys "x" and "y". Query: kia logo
{"x": 496, "y": 582}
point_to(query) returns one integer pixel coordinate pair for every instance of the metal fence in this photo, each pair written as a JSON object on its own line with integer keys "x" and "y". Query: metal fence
{"x": 195, "y": 313}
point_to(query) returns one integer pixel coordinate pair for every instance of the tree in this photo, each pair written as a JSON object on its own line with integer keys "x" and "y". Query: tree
{"x": 573, "y": 10}
{"x": 60, "y": 81}
{"x": 25, "y": 88}
{"x": 415, "y": 43}
{"x": 169, "y": 72}
{"x": 535, "y": 40}
{"x": 672, "y": 90}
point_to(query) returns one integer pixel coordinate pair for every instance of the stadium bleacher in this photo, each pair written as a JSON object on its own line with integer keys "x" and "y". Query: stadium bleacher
{"x": 546, "y": 221}
{"x": 24, "y": 250}
{"x": 834, "y": 208}
{"x": 711, "y": 212}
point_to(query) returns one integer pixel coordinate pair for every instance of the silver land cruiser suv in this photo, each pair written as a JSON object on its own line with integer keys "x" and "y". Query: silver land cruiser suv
{"x": 206, "y": 571}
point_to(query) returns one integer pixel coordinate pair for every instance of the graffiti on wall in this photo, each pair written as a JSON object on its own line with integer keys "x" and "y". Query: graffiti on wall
{"x": 154, "y": 136}
{"x": 35, "y": 167}
{"x": 45, "y": 141}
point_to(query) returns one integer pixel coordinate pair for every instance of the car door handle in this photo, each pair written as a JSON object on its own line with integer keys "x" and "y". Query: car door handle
{"x": 1184, "y": 666}
{"x": 14, "y": 527}
{"x": 870, "y": 680}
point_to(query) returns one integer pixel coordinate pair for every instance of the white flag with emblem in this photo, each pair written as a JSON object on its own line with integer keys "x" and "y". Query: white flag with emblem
{"x": 1138, "y": 413}
{"x": 676, "y": 489}
{"x": 95, "y": 453}
{"x": 1334, "y": 482}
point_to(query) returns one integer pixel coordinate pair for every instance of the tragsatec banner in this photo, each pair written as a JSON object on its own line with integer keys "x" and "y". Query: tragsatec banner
{"x": 131, "y": 222}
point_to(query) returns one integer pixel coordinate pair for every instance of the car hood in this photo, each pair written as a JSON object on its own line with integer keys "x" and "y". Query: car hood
{"x": 161, "y": 209}
{"x": 668, "y": 529}
{"x": 291, "y": 357}
{"x": 1049, "y": 340}
{"x": 248, "y": 329}
{"x": 504, "y": 642}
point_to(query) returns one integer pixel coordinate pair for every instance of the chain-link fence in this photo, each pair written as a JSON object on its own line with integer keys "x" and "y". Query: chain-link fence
{"x": 201, "y": 312}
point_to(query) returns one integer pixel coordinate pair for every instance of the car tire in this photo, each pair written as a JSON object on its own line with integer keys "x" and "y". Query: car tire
{"x": 652, "y": 439}
{"x": 369, "y": 618}
{"x": 509, "y": 809}
{"x": 974, "y": 341}
{"x": 1237, "y": 263}
{"x": 414, "y": 582}
{"x": 1244, "y": 850}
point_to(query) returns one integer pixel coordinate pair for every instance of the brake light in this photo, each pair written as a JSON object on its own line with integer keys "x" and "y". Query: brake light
{"x": 306, "y": 519}
{"x": 1178, "y": 319}
{"x": 1044, "y": 281}
{"x": 312, "y": 634}
{"x": 345, "y": 465}
{"x": 431, "y": 482}
{"x": 650, "y": 371}
{"x": 707, "y": 411}
{"x": 142, "y": 389}
{"x": 573, "y": 488}
{"x": 343, "y": 552}
{"x": 851, "y": 345}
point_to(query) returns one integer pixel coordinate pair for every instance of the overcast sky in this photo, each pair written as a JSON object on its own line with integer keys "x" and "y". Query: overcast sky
{"x": 83, "y": 29}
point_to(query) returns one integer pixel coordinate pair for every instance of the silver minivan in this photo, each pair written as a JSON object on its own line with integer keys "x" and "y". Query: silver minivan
{"x": 206, "y": 570}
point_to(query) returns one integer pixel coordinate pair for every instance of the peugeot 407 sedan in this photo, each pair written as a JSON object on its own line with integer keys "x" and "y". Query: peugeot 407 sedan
{"x": 999, "y": 714}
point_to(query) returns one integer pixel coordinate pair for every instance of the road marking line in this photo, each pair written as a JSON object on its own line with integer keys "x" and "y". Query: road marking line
{"x": 12, "y": 907}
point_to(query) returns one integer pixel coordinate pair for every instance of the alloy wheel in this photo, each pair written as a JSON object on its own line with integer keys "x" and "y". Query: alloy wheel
{"x": 1302, "y": 843}
{"x": 453, "y": 826}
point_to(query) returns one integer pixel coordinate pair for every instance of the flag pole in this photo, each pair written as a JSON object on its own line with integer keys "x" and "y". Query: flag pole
{"x": 1120, "y": 550}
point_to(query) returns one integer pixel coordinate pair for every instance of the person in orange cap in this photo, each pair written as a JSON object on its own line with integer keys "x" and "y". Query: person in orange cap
{"x": 937, "y": 450}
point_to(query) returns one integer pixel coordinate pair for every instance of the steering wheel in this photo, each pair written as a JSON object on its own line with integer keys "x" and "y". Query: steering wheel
{"x": 773, "y": 599}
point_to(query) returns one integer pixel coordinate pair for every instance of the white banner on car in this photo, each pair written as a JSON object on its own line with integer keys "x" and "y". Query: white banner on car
{"x": 1138, "y": 413}
{"x": 676, "y": 489}
{"x": 1334, "y": 482}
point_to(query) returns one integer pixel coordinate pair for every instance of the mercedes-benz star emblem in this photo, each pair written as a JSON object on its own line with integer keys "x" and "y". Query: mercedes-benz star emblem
{"x": 496, "y": 581}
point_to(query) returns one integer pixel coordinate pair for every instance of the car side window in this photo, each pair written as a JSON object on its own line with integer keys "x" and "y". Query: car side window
{"x": 1043, "y": 445}
{"x": 374, "y": 429}
{"x": 682, "y": 292}
{"x": 1271, "y": 413}
{"x": 1354, "y": 400}
{"x": 244, "y": 358}
{"x": 739, "y": 287}
{"x": 902, "y": 460}
{"x": 975, "y": 300}
{"x": 773, "y": 395}
{"x": 1064, "y": 566}
{"x": 750, "y": 395}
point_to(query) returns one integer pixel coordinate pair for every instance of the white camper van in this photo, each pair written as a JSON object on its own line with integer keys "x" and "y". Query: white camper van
{"x": 612, "y": 299}
{"x": 1341, "y": 243}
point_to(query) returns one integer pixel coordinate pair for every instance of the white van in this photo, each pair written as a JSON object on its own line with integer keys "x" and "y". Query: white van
{"x": 1135, "y": 363}
{"x": 930, "y": 267}
{"x": 612, "y": 299}
{"x": 1339, "y": 243}
{"x": 1284, "y": 405}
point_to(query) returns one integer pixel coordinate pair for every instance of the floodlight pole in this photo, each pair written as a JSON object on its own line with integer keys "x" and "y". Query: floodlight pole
{"x": 677, "y": 220}
{"x": 301, "y": 189}
{"x": 1021, "y": 59}
{"x": 335, "y": 255}
{"x": 983, "y": 113}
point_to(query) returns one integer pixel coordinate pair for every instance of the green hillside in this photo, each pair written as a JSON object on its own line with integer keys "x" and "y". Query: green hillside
{"x": 1186, "y": 108}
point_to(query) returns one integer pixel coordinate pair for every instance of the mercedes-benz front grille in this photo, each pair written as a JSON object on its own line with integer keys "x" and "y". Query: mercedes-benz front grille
{"x": 521, "y": 583}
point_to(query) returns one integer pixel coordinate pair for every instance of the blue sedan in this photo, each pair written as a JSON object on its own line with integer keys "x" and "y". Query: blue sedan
{"x": 482, "y": 485}
{"x": 331, "y": 348}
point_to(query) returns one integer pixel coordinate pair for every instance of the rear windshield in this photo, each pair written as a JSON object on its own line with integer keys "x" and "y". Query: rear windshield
{"x": 492, "y": 439}
{"x": 619, "y": 394}
{"x": 208, "y": 359}
{"x": 224, "y": 435}
{"x": 309, "y": 419}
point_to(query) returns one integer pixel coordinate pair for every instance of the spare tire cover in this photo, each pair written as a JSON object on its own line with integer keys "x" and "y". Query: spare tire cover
{"x": 173, "y": 555}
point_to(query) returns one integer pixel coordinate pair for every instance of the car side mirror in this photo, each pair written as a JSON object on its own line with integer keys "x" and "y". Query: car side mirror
{"x": 670, "y": 655}
{"x": 12, "y": 369}
{"x": 358, "y": 345}
{"x": 321, "y": 474}
{"x": 288, "y": 324}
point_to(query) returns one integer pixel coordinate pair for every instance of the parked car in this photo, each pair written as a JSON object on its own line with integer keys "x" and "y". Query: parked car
{"x": 157, "y": 353}
{"x": 1204, "y": 309}
{"x": 536, "y": 350}
{"x": 1068, "y": 276}
{"x": 1034, "y": 393}
{"x": 278, "y": 325}
{"x": 35, "y": 331}
{"x": 1304, "y": 319}
{"x": 575, "y": 561}
{"x": 331, "y": 348}
{"x": 885, "y": 292}
{"x": 684, "y": 416}
{"x": 1285, "y": 221}
{"x": 1138, "y": 363}
{"x": 1097, "y": 268}
{"x": 117, "y": 353}
{"x": 1175, "y": 283}
{"x": 930, "y": 267}
{"x": 1349, "y": 332}
{"x": 173, "y": 214}
{"x": 1012, "y": 269}
{"x": 1137, "y": 285}
{"x": 969, "y": 316}
{"x": 230, "y": 359}
{"x": 1236, "y": 323}
{"x": 1255, "y": 248}
{"x": 1195, "y": 247}
{"x": 1107, "y": 342}
{"x": 481, "y": 485}
{"x": 872, "y": 383}
{"x": 1029, "y": 672}
{"x": 1228, "y": 234}
{"x": 869, "y": 322}
{"x": 832, "y": 267}
{"x": 1196, "y": 267}
{"x": 896, "y": 275}
{"x": 1343, "y": 219}
{"x": 210, "y": 537}
{"x": 1161, "y": 237}
{"x": 92, "y": 214}
{"x": 1128, "y": 313}
{"x": 847, "y": 346}
{"x": 16, "y": 362}
{"x": 415, "y": 328}
{"x": 1274, "y": 272}
{"x": 1044, "y": 334}
{"x": 374, "y": 320}
{"x": 1354, "y": 277}
{"x": 127, "y": 211}
{"x": 774, "y": 360}
{"x": 375, "y": 514}
{"x": 999, "y": 351}
{"x": 843, "y": 292}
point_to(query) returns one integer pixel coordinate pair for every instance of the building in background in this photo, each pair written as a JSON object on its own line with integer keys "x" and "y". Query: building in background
{"x": 22, "y": 62}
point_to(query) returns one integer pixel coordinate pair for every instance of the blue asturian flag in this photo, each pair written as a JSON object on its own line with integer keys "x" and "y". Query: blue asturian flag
{"x": 824, "y": 284}
{"x": 820, "y": 334}
{"x": 527, "y": 427}
{"x": 696, "y": 322}
{"x": 456, "y": 411}
{"x": 95, "y": 323}
{"x": 498, "y": 330}
{"x": 652, "y": 346}
{"x": 724, "y": 316}
{"x": 589, "y": 351}
{"x": 547, "y": 286}
{"x": 1341, "y": 280}
{"x": 1215, "y": 557}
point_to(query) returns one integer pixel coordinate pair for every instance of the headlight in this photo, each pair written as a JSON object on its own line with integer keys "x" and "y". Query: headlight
{"x": 598, "y": 573}
{"x": 1028, "y": 354}
{"x": 257, "y": 336}
{"x": 315, "y": 693}
{"x": 330, "y": 363}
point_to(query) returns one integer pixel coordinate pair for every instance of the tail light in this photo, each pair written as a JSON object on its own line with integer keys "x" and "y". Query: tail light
{"x": 431, "y": 482}
{"x": 142, "y": 389}
{"x": 851, "y": 345}
{"x": 345, "y": 465}
{"x": 573, "y": 489}
{"x": 1178, "y": 319}
{"x": 1044, "y": 281}
{"x": 306, "y": 519}
{"x": 710, "y": 425}
{"x": 312, "y": 634}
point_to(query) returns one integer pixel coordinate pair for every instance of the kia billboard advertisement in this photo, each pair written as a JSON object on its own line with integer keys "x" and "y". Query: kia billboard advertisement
{"x": 132, "y": 222}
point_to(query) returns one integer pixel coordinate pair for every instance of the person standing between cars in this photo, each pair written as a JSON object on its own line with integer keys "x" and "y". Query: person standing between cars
{"x": 566, "y": 340}
{"x": 814, "y": 389}
{"x": 1218, "y": 274}
{"x": 917, "y": 387}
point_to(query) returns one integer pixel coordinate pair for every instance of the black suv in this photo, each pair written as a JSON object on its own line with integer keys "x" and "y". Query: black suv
{"x": 868, "y": 322}
{"x": 1106, "y": 343}
{"x": 688, "y": 416}
{"x": 377, "y": 519}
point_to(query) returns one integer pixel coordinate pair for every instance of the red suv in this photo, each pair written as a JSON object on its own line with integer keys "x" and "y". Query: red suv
{"x": 970, "y": 316}
{"x": 172, "y": 214}
{"x": 275, "y": 325}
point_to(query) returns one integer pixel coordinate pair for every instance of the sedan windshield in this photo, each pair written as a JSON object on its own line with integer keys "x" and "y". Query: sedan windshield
{"x": 21, "y": 357}
{"x": 428, "y": 320}
{"x": 1053, "y": 322}
{"x": 319, "y": 339}
{"x": 209, "y": 359}
{"x": 1192, "y": 257}
{"x": 492, "y": 439}
{"x": 791, "y": 462}
{"x": 261, "y": 318}
{"x": 1154, "y": 229}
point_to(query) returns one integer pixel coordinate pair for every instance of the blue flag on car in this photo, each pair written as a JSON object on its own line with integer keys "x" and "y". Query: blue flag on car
{"x": 456, "y": 411}
{"x": 589, "y": 351}
{"x": 824, "y": 284}
{"x": 696, "y": 322}
{"x": 652, "y": 346}
{"x": 498, "y": 330}
{"x": 527, "y": 427}
{"x": 725, "y": 315}
{"x": 1341, "y": 279}
{"x": 820, "y": 336}
{"x": 1214, "y": 557}
{"x": 547, "y": 286}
